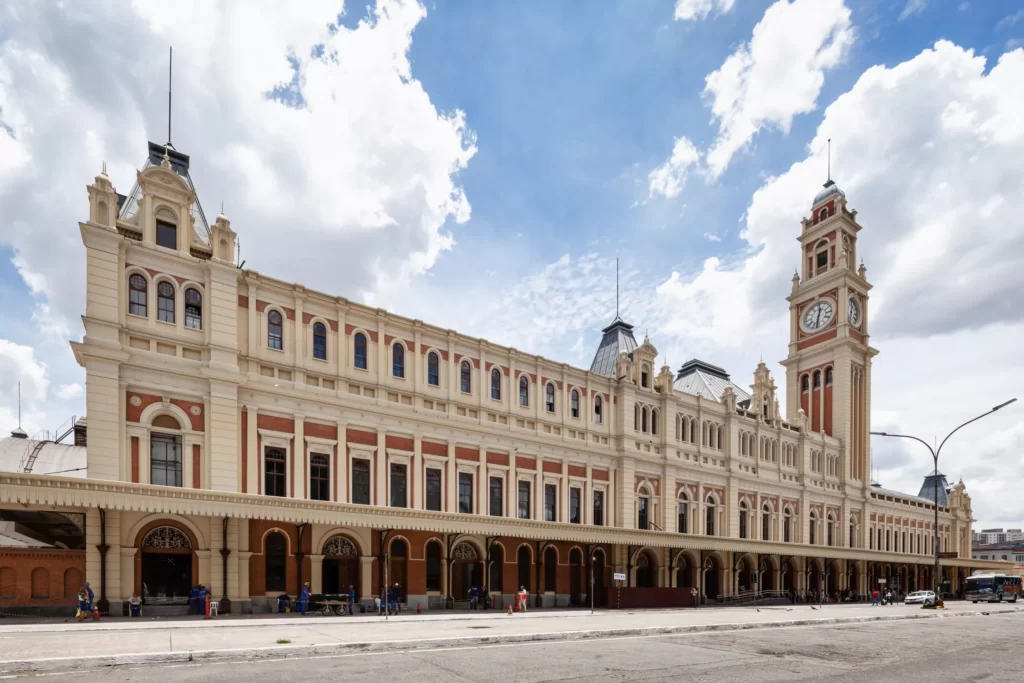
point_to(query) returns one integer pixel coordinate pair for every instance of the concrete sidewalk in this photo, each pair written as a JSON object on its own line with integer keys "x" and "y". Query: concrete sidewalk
{"x": 92, "y": 644}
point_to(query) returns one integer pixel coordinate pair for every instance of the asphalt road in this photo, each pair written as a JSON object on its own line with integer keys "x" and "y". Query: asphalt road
{"x": 964, "y": 649}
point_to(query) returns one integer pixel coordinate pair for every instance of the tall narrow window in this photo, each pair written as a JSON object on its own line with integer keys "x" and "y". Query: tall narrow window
{"x": 598, "y": 508}
{"x": 137, "y": 294}
{"x": 496, "y": 488}
{"x": 398, "y": 486}
{"x": 434, "y": 490}
{"x": 641, "y": 512}
{"x": 496, "y": 384}
{"x": 433, "y": 370}
{"x": 805, "y": 383}
{"x": 275, "y": 331}
{"x": 275, "y": 558}
{"x": 654, "y": 421}
{"x": 597, "y": 409}
{"x": 274, "y": 472}
{"x": 360, "y": 481}
{"x": 766, "y": 523}
{"x": 319, "y": 478}
{"x": 817, "y": 379}
{"x": 320, "y": 341}
{"x": 575, "y": 499}
{"x": 683, "y": 523}
{"x": 813, "y": 529}
{"x": 466, "y": 493}
{"x": 166, "y": 235}
{"x": 359, "y": 349}
{"x": 550, "y": 503}
{"x": 524, "y": 500}
{"x": 709, "y": 520}
{"x": 643, "y": 378}
{"x": 398, "y": 360}
{"x": 464, "y": 377}
{"x": 828, "y": 376}
{"x": 574, "y": 403}
{"x": 643, "y": 419}
{"x": 549, "y": 398}
{"x": 165, "y": 460}
{"x": 193, "y": 309}
{"x": 433, "y": 566}
{"x": 524, "y": 391}
{"x": 165, "y": 302}
{"x": 744, "y": 514}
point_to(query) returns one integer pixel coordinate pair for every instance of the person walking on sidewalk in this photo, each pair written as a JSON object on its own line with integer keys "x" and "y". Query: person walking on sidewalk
{"x": 90, "y": 594}
{"x": 874, "y": 598}
{"x": 83, "y": 605}
{"x": 304, "y": 598}
{"x": 351, "y": 597}
{"x": 522, "y": 598}
{"x": 695, "y": 596}
{"x": 888, "y": 598}
{"x": 474, "y": 598}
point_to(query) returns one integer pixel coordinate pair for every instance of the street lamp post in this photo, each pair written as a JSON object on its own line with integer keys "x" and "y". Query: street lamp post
{"x": 935, "y": 482}
{"x": 592, "y": 561}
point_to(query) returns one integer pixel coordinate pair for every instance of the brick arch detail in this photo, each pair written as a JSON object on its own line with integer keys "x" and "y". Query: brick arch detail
{"x": 140, "y": 534}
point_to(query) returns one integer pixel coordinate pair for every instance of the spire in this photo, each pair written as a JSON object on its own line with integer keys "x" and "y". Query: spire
{"x": 170, "y": 80}
{"x": 828, "y": 181}
{"x": 616, "y": 286}
{"x": 19, "y": 433}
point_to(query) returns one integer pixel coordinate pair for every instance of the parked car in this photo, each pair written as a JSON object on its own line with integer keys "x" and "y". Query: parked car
{"x": 919, "y": 598}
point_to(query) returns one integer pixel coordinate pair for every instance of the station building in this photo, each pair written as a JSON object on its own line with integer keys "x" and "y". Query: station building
{"x": 250, "y": 434}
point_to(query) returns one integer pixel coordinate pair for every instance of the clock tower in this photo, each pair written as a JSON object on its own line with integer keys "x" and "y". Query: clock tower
{"x": 828, "y": 370}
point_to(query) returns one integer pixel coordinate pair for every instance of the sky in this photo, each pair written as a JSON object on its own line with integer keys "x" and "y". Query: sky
{"x": 482, "y": 165}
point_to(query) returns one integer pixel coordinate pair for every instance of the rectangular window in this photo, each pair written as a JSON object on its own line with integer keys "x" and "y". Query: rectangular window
{"x": 319, "y": 478}
{"x": 524, "y": 500}
{"x": 466, "y": 493}
{"x": 274, "y": 473}
{"x": 550, "y": 503}
{"x": 496, "y": 488}
{"x": 398, "y": 486}
{"x": 434, "y": 490}
{"x": 598, "y": 508}
{"x": 167, "y": 235}
{"x": 165, "y": 460}
{"x": 641, "y": 513}
{"x": 360, "y": 481}
{"x": 575, "y": 496}
{"x": 822, "y": 259}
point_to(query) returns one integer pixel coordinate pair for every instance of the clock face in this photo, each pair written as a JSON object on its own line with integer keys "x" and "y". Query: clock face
{"x": 853, "y": 312}
{"x": 817, "y": 316}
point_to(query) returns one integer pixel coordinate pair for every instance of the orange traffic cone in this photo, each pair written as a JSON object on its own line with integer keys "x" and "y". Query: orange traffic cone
{"x": 95, "y": 613}
{"x": 510, "y": 609}
{"x": 419, "y": 608}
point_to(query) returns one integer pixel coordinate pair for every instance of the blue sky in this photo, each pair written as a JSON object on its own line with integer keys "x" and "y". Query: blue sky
{"x": 482, "y": 165}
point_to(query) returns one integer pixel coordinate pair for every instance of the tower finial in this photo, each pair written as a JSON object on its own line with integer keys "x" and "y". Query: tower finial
{"x": 616, "y": 286}
{"x": 170, "y": 80}
{"x": 829, "y": 179}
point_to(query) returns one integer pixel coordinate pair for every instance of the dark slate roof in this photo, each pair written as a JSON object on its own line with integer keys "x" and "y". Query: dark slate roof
{"x": 704, "y": 379}
{"x": 928, "y": 488}
{"x": 830, "y": 189}
{"x": 179, "y": 164}
{"x": 617, "y": 337}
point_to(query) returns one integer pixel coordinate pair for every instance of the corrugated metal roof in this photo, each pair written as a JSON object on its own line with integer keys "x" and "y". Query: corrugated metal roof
{"x": 617, "y": 337}
{"x": 708, "y": 381}
{"x": 905, "y": 496}
{"x": 53, "y": 458}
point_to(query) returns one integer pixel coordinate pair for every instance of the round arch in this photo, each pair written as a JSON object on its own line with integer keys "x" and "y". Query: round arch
{"x": 348, "y": 532}
{"x": 339, "y": 568}
{"x": 155, "y": 410}
{"x": 165, "y": 575}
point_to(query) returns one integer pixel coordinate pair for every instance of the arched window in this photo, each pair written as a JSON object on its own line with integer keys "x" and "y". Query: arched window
{"x": 828, "y": 376}
{"x": 709, "y": 518}
{"x": 550, "y": 569}
{"x": 744, "y": 514}
{"x": 813, "y": 528}
{"x": 165, "y": 454}
{"x": 320, "y": 341}
{"x": 359, "y": 346}
{"x": 683, "y": 524}
{"x": 433, "y": 566}
{"x": 549, "y": 397}
{"x": 720, "y": 440}
{"x": 574, "y": 403}
{"x": 642, "y": 510}
{"x": 397, "y": 360}
{"x": 465, "y": 382}
{"x": 433, "y": 370}
{"x": 275, "y": 333}
{"x": 276, "y": 556}
{"x": 166, "y": 234}
{"x": 766, "y": 523}
{"x": 805, "y": 383}
{"x": 524, "y": 391}
{"x": 787, "y": 525}
{"x": 654, "y": 421}
{"x": 644, "y": 375}
{"x": 496, "y": 384}
{"x": 643, "y": 419}
{"x": 193, "y": 309}
{"x": 137, "y": 295}
{"x": 165, "y": 302}
{"x": 830, "y": 531}
{"x": 823, "y": 214}
{"x": 597, "y": 409}
{"x": 817, "y": 379}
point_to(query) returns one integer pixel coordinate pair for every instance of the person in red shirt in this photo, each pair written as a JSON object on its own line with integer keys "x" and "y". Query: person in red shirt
{"x": 874, "y": 597}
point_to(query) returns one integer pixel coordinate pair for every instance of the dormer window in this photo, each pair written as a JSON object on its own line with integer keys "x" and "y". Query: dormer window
{"x": 643, "y": 378}
{"x": 166, "y": 235}
{"x": 823, "y": 214}
{"x": 821, "y": 260}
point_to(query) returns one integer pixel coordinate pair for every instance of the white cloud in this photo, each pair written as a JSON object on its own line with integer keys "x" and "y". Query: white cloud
{"x": 1010, "y": 20}
{"x": 669, "y": 179}
{"x": 712, "y": 237}
{"x": 777, "y": 75}
{"x": 689, "y": 10}
{"x": 18, "y": 364}
{"x": 70, "y": 391}
{"x": 364, "y": 174}
{"x": 913, "y": 8}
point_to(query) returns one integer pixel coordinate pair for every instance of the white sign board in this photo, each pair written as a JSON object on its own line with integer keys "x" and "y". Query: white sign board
{"x": 881, "y": 581}
{"x": 619, "y": 577}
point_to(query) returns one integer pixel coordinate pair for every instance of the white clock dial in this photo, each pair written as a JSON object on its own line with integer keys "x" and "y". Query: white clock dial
{"x": 853, "y": 312}
{"x": 817, "y": 315}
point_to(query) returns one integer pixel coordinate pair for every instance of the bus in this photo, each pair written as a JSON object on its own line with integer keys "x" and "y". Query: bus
{"x": 992, "y": 588}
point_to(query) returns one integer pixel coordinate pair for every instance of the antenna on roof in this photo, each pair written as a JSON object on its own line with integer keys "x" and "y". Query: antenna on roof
{"x": 19, "y": 433}
{"x": 616, "y": 286}
{"x": 829, "y": 159}
{"x": 170, "y": 79}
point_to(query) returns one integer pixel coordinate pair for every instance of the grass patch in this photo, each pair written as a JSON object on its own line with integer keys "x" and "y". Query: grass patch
{"x": 283, "y": 641}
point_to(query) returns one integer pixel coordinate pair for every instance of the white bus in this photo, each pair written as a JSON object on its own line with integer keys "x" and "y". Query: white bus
{"x": 992, "y": 588}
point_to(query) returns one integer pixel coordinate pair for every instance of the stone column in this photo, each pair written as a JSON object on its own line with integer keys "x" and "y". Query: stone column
{"x": 588, "y": 501}
{"x": 299, "y": 454}
{"x": 127, "y": 572}
{"x": 341, "y": 476}
{"x": 512, "y": 488}
{"x": 380, "y": 469}
{"x": 418, "y": 477}
{"x": 451, "y": 481}
{"x": 316, "y": 576}
{"x": 252, "y": 455}
{"x": 366, "y": 577}
{"x": 483, "y": 504}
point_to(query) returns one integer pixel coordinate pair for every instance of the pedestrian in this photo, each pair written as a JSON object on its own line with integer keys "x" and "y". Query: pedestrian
{"x": 89, "y": 592}
{"x": 83, "y": 605}
{"x": 522, "y": 598}
{"x": 473, "y": 598}
{"x": 351, "y": 598}
{"x": 304, "y": 598}
{"x": 694, "y": 596}
{"x": 134, "y": 605}
{"x": 874, "y": 598}
{"x": 888, "y": 598}
{"x": 396, "y": 597}
{"x": 485, "y": 596}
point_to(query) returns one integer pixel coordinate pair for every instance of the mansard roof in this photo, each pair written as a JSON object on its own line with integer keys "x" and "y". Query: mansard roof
{"x": 618, "y": 337}
{"x": 129, "y": 206}
{"x": 703, "y": 379}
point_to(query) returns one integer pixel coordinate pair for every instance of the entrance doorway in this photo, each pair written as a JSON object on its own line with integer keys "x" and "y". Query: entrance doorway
{"x": 644, "y": 571}
{"x": 600, "y": 593}
{"x": 166, "y": 569}
{"x": 575, "y": 578}
{"x": 465, "y": 570}
{"x": 340, "y": 567}
{"x": 397, "y": 567}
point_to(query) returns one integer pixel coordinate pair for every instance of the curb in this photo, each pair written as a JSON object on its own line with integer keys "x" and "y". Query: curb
{"x": 342, "y": 648}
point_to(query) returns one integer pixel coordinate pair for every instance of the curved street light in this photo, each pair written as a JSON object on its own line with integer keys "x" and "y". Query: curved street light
{"x": 935, "y": 481}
